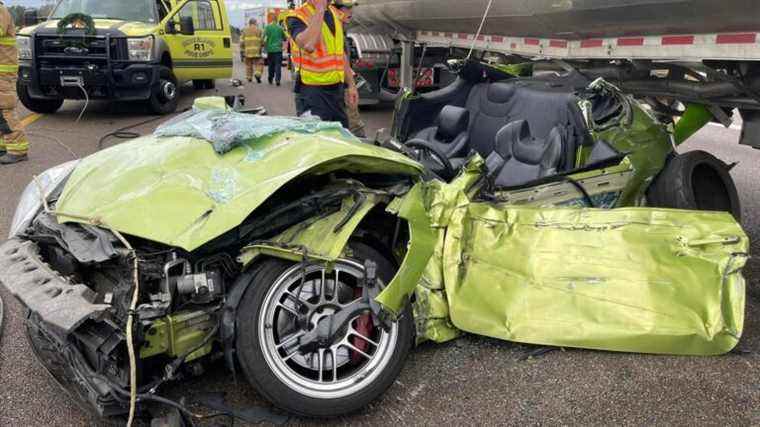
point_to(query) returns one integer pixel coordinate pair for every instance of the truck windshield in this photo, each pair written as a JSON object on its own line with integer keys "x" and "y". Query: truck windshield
{"x": 125, "y": 10}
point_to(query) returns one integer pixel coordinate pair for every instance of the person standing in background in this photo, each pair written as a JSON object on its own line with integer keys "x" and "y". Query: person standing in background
{"x": 316, "y": 30}
{"x": 274, "y": 36}
{"x": 355, "y": 123}
{"x": 251, "y": 46}
{"x": 14, "y": 145}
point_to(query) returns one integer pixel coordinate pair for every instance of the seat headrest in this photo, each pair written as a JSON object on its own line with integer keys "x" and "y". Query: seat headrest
{"x": 532, "y": 151}
{"x": 451, "y": 122}
{"x": 500, "y": 93}
{"x": 508, "y": 135}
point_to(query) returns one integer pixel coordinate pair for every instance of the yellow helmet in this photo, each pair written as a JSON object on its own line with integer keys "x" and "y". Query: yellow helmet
{"x": 345, "y": 3}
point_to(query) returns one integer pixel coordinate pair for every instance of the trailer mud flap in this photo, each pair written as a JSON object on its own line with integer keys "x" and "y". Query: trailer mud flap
{"x": 637, "y": 280}
{"x": 750, "y": 128}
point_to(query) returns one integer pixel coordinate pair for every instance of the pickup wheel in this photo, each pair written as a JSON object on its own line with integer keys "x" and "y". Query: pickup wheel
{"x": 42, "y": 106}
{"x": 165, "y": 95}
{"x": 325, "y": 379}
{"x": 204, "y": 84}
{"x": 695, "y": 180}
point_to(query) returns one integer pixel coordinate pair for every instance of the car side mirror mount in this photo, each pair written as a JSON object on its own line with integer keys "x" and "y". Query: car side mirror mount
{"x": 171, "y": 27}
{"x": 30, "y": 17}
{"x": 186, "y": 26}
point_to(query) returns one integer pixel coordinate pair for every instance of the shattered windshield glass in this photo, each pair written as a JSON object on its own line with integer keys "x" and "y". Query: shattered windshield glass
{"x": 133, "y": 10}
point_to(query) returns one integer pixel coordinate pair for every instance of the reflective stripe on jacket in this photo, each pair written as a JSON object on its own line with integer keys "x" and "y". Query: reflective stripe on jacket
{"x": 325, "y": 65}
{"x": 8, "y": 53}
{"x": 252, "y": 41}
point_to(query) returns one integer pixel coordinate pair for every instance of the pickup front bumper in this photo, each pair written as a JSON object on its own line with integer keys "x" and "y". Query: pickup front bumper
{"x": 133, "y": 82}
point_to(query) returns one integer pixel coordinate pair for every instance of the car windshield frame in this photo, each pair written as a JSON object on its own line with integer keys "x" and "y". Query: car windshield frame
{"x": 108, "y": 9}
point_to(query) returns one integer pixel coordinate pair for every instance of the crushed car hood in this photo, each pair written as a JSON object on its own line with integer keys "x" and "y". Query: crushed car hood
{"x": 178, "y": 191}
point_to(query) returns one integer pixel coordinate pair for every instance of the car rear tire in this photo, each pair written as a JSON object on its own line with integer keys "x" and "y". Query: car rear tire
{"x": 41, "y": 106}
{"x": 204, "y": 84}
{"x": 303, "y": 382}
{"x": 165, "y": 95}
{"x": 695, "y": 180}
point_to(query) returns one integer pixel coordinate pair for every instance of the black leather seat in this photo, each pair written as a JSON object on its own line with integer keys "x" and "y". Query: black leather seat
{"x": 519, "y": 158}
{"x": 449, "y": 135}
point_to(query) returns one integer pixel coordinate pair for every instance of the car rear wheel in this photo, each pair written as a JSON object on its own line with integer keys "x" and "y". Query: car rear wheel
{"x": 283, "y": 302}
{"x": 165, "y": 95}
{"x": 695, "y": 180}
{"x": 42, "y": 106}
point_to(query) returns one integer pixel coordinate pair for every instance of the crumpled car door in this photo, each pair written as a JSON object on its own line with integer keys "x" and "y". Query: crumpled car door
{"x": 633, "y": 279}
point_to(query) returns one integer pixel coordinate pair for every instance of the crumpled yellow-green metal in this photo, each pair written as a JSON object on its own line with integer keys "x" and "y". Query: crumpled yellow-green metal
{"x": 179, "y": 192}
{"x": 319, "y": 240}
{"x": 632, "y": 279}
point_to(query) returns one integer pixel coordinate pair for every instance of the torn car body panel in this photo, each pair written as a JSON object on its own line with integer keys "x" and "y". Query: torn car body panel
{"x": 637, "y": 280}
{"x": 634, "y": 279}
{"x": 62, "y": 305}
{"x": 322, "y": 238}
{"x": 192, "y": 195}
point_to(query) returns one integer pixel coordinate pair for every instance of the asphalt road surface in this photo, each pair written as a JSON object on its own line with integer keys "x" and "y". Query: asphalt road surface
{"x": 471, "y": 380}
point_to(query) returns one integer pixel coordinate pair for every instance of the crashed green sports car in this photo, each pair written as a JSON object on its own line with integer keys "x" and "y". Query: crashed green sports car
{"x": 534, "y": 210}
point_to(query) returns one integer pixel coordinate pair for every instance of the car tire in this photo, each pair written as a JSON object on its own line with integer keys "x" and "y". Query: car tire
{"x": 41, "y": 106}
{"x": 695, "y": 180}
{"x": 296, "y": 393}
{"x": 164, "y": 97}
{"x": 204, "y": 84}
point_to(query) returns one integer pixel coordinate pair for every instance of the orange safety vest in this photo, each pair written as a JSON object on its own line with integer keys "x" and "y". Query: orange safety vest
{"x": 252, "y": 41}
{"x": 326, "y": 64}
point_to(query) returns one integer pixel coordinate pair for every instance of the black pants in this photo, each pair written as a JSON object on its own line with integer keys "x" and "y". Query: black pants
{"x": 326, "y": 103}
{"x": 274, "y": 61}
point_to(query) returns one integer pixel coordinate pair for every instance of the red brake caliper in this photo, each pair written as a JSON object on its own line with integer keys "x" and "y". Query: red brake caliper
{"x": 363, "y": 326}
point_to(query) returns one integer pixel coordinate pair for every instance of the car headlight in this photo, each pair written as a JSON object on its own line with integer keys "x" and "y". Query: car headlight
{"x": 140, "y": 49}
{"x": 24, "y": 47}
{"x": 30, "y": 203}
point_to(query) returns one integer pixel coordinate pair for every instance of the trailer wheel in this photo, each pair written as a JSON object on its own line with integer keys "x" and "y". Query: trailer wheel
{"x": 42, "y": 106}
{"x": 165, "y": 96}
{"x": 286, "y": 300}
{"x": 204, "y": 84}
{"x": 695, "y": 180}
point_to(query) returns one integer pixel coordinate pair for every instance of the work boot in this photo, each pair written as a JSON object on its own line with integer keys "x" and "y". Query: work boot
{"x": 258, "y": 79}
{"x": 9, "y": 158}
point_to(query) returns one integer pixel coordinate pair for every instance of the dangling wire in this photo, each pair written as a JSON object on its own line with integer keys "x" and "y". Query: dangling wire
{"x": 482, "y": 22}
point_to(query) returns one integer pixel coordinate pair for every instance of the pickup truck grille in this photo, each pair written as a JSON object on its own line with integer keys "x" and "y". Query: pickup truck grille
{"x": 76, "y": 50}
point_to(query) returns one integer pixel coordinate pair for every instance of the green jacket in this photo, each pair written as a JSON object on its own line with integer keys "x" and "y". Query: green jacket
{"x": 273, "y": 37}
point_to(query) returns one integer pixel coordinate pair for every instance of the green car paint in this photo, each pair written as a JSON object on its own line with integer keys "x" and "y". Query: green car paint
{"x": 630, "y": 279}
{"x": 179, "y": 192}
{"x": 693, "y": 119}
{"x": 320, "y": 239}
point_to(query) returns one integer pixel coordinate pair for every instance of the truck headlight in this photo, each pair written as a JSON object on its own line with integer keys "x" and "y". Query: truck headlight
{"x": 30, "y": 203}
{"x": 24, "y": 47}
{"x": 140, "y": 49}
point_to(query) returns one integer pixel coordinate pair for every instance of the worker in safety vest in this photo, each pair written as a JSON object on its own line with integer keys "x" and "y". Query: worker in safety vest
{"x": 13, "y": 146}
{"x": 251, "y": 44}
{"x": 316, "y": 31}
{"x": 355, "y": 123}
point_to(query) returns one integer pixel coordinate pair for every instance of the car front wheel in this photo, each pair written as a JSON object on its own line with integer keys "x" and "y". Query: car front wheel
{"x": 285, "y": 301}
{"x": 164, "y": 97}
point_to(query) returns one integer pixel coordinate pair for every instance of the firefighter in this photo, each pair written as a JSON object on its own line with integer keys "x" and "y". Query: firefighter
{"x": 355, "y": 123}
{"x": 251, "y": 45}
{"x": 316, "y": 29}
{"x": 14, "y": 146}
